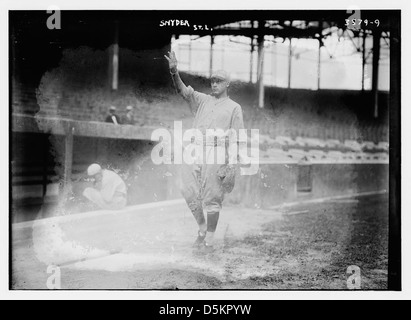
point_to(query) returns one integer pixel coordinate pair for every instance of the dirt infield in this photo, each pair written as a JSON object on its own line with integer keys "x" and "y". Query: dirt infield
{"x": 307, "y": 246}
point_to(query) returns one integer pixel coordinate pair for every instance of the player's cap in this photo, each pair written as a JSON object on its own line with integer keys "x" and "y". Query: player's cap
{"x": 113, "y": 108}
{"x": 220, "y": 74}
{"x": 93, "y": 169}
{"x": 129, "y": 108}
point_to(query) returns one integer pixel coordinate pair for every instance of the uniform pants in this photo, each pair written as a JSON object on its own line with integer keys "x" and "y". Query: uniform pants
{"x": 118, "y": 202}
{"x": 201, "y": 184}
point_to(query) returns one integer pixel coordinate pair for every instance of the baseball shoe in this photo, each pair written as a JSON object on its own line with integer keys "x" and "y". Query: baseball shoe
{"x": 200, "y": 240}
{"x": 206, "y": 248}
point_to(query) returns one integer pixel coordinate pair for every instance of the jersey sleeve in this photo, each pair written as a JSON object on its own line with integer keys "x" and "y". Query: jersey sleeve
{"x": 110, "y": 184}
{"x": 236, "y": 124}
{"x": 194, "y": 98}
{"x": 237, "y": 121}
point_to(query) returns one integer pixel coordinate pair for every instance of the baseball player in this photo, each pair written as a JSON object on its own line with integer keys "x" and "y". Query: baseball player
{"x": 110, "y": 192}
{"x": 205, "y": 184}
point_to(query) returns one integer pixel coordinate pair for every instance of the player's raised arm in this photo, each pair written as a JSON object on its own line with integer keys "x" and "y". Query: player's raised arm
{"x": 172, "y": 62}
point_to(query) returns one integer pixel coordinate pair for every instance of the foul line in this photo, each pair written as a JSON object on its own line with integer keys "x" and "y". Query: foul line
{"x": 159, "y": 204}
{"x": 319, "y": 200}
{"x": 91, "y": 214}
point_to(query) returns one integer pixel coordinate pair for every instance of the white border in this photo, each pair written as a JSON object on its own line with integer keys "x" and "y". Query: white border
{"x": 209, "y": 5}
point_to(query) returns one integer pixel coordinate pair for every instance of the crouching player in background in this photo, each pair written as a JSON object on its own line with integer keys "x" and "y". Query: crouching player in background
{"x": 109, "y": 192}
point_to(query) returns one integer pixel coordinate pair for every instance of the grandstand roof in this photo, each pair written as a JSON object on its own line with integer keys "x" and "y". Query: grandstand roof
{"x": 37, "y": 47}
{"x": 139, "y": 28}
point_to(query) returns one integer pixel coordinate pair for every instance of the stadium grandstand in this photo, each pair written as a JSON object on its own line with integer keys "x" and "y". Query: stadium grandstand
{"x": 63, "y": 82}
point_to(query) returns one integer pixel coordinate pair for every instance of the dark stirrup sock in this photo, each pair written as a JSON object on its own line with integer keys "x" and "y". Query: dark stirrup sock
{"x": 196, "y": 209}
{"x": 212, "y": 220}
{"x": 199, "y": 216}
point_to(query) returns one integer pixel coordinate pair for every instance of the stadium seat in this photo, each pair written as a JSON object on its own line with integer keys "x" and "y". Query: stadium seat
{"x": 317, "y": 154}
{"x": 268, "y": 142}
{"x": 366, "y": 156}
{"x": 359, "y": 156}
{"x": 337, "y": 155}
{"x": 300, "y": 141}
{"x": 353, "y": 145}
{"x": 312, "y": 142}
{"x": 350, "y": 156}
{"x": 382, "y": 156}
{"x": 368, "y": 145}
{"x": 297, "y": 154}
{"x": 277, "y": 155}
{"x": 284, "y": 141}
{"x": 333, "y": 143}
{"x": 382, "y": 145}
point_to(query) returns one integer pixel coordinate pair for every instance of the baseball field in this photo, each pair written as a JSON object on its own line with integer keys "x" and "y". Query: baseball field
{"x": 307, "y": 245}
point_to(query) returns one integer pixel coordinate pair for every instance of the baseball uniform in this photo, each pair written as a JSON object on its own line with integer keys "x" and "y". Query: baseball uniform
{"x": 201, "y": 183}
{"x": 113, "y": 192}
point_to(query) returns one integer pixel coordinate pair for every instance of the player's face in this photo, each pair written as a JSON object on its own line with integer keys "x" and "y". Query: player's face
{"x": 98, "y": 177}
{"x": 218, "y": 86}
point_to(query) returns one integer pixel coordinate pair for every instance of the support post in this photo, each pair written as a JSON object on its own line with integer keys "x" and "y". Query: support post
{"x": 211, "y": 54}
{"x": 45, "y": 151}
{"x": 260, "y": 68}
{"x": 319, "y": 64}
{"x": 251, "y": 59}
{"x": 274, "y": 65}
{"x": 289, "y": 64}
{"x": 375, "y": 67}
{"x": 364, "y": 38}
{"x": 189, "y": 55}
{"x": 68, "y": 158}
{"x": 114, "y": 84}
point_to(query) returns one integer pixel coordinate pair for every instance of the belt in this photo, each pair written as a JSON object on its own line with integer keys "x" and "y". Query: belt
{"x": 214, "y": 141}
{"x": 211, "y": 141}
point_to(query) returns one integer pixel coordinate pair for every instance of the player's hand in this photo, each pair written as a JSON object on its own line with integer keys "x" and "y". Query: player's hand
{"x": 172, "y": 61}
{"x": 226, "y": 173}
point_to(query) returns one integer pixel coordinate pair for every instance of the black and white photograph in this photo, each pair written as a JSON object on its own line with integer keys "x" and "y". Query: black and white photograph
{"x": 224, "y": 150}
